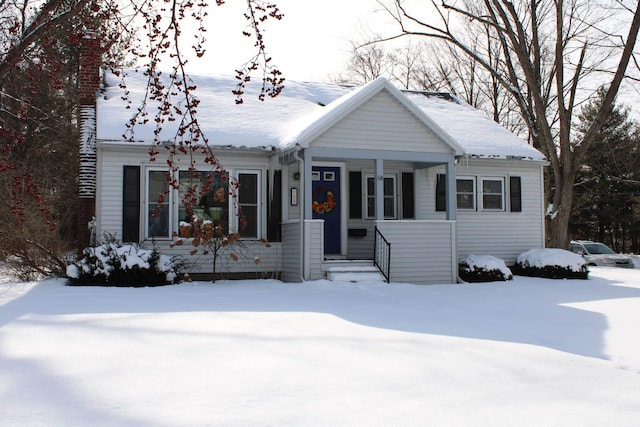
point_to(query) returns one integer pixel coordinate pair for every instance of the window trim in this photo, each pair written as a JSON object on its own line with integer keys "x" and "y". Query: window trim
{"x": 473, "y": 192}
{"x": 394, "y": 197}
{"x": 234, "y": 226}
{"x": 147, "y": 202}
{"x": 173, "y": 202}
{"x": 500, "y": 179}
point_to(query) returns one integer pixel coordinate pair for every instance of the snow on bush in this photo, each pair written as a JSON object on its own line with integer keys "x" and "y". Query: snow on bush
{"x": 112, "y": 264}
{"x": 551, "y": 263}
{"x": 483, "y": 268}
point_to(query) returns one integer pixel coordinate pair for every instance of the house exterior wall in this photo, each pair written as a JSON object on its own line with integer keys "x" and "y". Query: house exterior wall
{"x": 503, "y": 234}
{"x": 422, "y": 252}
{"x": 302, "y": 259}
{"x": 358, "y": 246}
{"x": 291, "y": 250}
{"x": 290, "y": 181}
{"x": 382, "y": 124}
{"x": 314, "y": 249}
{"x": 253, "y": 256}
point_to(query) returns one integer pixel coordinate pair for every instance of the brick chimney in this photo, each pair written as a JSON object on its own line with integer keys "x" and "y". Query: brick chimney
{"x": 88, "y": 85}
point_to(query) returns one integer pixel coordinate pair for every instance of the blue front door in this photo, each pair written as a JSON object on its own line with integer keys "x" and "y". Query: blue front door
{"x": 326, "y": 205}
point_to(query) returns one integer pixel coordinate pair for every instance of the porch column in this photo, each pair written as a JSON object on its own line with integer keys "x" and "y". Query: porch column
{"x": 307, "y": 197}
{"x": 451, "y": 190}
{"x": 379, "y": 189}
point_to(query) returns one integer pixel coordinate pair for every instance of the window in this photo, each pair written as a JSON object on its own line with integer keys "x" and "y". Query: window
{"x": 249, "y": 204}
{"x": 158, "y": 205}
{"x": 493, "y": 194}
{"x": 389, "y": 195}
{"x": 466, "y": 193}
{"x": 204, "y": 196}
{"x": 207, "y": 196}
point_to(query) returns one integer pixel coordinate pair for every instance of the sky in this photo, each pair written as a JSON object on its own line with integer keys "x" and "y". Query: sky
{"x": 310, "y": 43}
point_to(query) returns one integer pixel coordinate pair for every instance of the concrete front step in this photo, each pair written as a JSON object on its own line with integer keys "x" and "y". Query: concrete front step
{"x": 353, "y": 271}
{"x": 356, "y": 277}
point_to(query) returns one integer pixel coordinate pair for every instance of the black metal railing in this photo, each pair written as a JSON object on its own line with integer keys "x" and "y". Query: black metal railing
{"x": 382, "y": 254}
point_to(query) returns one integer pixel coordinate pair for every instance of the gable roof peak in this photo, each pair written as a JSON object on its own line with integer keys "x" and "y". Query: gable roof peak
{"x": 316, "y": 124}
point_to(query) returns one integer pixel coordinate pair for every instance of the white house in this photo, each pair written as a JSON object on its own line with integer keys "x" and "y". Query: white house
{"x": 333, "y": 177}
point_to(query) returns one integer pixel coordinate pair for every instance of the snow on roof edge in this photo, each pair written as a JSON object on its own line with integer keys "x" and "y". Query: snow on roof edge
{"x": 305, "y": 109}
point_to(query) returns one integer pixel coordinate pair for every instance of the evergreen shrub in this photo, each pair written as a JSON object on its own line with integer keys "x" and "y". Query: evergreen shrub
{"x": 551, "y": 263}
{"x": 112, "y": 264}
{"x": 485, "y": 268}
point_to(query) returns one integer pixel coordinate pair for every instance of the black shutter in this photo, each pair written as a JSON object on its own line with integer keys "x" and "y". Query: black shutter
{"x": 515, "y": 193}
{"x": 131, "y": 204}
{"x": 408, "y": 203}
{"x": 274, "y": 214}
{"x": 355, "y": 195}
{"x": 441, "y": 193}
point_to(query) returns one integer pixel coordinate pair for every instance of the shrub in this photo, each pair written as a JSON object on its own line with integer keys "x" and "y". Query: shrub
{"x": 33, "y": 250}
{"x": 551, "y": 264}
{"x": 112, "y": 264}
{"x": 483, "y": 268}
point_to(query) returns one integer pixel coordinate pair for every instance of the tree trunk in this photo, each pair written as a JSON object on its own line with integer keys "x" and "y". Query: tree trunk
{"x": 558, "y": 223}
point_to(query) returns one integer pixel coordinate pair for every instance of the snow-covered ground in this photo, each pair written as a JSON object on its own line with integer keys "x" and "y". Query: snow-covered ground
{"x": 531, "y": 352}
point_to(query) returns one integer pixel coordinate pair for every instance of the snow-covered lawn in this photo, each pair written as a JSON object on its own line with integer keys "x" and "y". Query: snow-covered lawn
{"x": 531, "y": 352}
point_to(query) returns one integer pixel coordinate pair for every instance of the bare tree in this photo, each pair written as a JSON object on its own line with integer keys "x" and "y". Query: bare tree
{"x": 552, "y": 52}
{"x": 436, "y": 66}
{"x": 40, "y": 104}
{"x": 404, "y": 62}
{"x": 367, "y": 63}
{"x": 146, "y": 33}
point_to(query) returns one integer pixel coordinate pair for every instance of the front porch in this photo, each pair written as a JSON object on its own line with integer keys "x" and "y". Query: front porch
{"x": 353, "y": 170}
{"x": 420, "y": 251}
{"x": 339, "y": 200}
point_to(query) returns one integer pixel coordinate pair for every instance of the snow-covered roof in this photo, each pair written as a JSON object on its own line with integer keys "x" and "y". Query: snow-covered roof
{"x": 473, "y": 129}
{"x": 298, "y": 113}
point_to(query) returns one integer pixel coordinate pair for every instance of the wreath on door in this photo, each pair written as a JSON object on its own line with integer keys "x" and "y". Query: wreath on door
{"x": 323, "y": 201}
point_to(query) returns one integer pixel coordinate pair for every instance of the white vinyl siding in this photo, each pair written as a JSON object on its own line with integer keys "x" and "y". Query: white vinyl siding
{"x": 422, "y": 252}
{"x": 503, "y": 234}
{"x": 291, "y": 252}
{"x": 382, "y": 123}
{"x": 109, "y": 193}
{"x": 256, "y": 256}
{"x": 314, "y": 250}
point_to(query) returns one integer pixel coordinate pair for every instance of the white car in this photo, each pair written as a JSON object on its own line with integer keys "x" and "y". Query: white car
{"x": 596, "y": 253}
